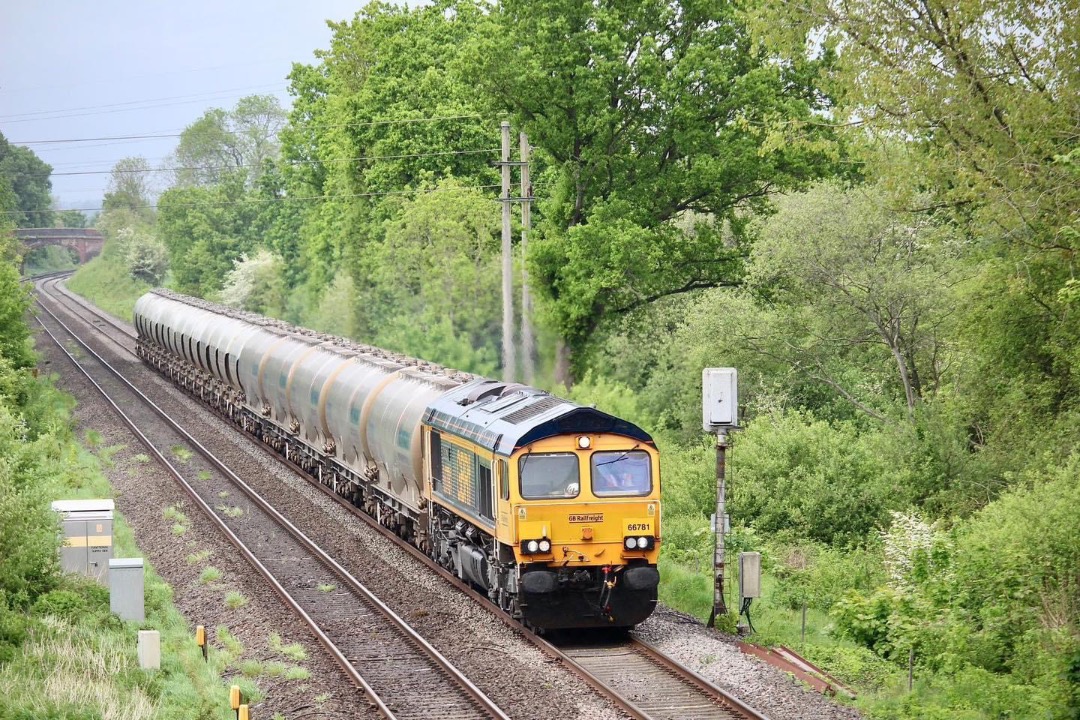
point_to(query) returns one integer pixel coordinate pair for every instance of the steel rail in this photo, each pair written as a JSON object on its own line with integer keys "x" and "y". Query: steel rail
{"x": 486, "y": 704}
{"x": 545, "y": 646}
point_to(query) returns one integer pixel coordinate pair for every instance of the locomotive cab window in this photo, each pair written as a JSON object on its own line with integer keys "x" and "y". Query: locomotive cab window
{"x": 621, "y": 473}
{"x": 549, "y": 475}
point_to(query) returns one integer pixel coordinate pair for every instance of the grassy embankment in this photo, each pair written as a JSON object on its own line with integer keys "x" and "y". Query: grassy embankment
{"x": 64, "y": 655}
{"x": 108, "y": 285}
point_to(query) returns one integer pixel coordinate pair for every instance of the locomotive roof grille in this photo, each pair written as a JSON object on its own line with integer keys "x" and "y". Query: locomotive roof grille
{"x": 531, "y": 411}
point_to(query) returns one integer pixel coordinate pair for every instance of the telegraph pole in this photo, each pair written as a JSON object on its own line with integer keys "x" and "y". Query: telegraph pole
{"x": 509, "y": 362}
{"x": 528, "y": 342}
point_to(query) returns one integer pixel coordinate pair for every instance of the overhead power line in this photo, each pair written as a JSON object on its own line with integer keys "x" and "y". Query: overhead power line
{"x": 248, "y": 165}
{"x": 304, "y": 198}
{"x": 401, "y": 121}
{"x": 149, "y": 104}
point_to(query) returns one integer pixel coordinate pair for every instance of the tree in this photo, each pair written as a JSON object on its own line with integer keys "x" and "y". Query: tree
{"x": 857, "y": 285}
{"x": 130, "y": 187}
{"x": 27, "y": 177}
{"x": 206, "y": 229}
{"x": 384, "y": 112}
{"x": 643, "y": 114}
{"x": 987, "y": 94}
{"x": 227, "y": 141}
{"x": 72, "y": 218}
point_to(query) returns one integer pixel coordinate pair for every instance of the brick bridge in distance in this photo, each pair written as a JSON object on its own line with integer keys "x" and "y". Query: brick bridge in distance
{"x": 85, "y": 241}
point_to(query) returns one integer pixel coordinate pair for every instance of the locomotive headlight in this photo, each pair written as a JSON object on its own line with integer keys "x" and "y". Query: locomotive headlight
{"x": 532, "y": 546}
{"x": 631, "y": 543}
{"x": 643, "y": 543}
{"x": 584, "y": 442}
{"x": 545, "y": 545}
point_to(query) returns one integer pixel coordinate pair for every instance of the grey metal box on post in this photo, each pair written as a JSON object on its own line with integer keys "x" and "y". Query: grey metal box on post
{"x": 126, "y": 589}
{"x": 749, "y": 575}
{"x": 87, "y": 527}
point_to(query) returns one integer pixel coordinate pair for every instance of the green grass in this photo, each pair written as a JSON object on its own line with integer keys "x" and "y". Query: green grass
{"x": 205, "y": 475}
{"x": 292, "y": 651}
{"x": 107, "y": 454}
{"x": 296, "y": 673}
{"x": 174, "y": 513}
{"x": 179, "y": 529}
{"x": 181, "y": 453}
{"x": 209, "y": 574}
{"x": 93, "y": 438}
{"x": 233, "y": 647}
{"x": 235, "y": 600}
{"x": 142, "y": 458}
{"x": 109, "y": 286}
{"x": 327, "y": 588}
{"x": 233, "y": 512}
{"x": 196, "y": 558}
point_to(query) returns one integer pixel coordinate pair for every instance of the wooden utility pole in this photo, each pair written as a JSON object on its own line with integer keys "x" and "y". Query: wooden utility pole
{"x": 509, "y": 362}
{"x": 528, "y": 341}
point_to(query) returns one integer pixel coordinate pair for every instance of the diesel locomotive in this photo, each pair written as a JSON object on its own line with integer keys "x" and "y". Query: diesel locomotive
{"x": 550, "y": 507}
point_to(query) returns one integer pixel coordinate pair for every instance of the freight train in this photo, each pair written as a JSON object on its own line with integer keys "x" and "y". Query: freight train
{"x": 550, "y": 507}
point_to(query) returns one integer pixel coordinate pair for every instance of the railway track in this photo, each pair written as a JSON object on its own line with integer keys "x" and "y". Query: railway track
{"x": 401, "y": 674}
{"x": 638, "y": 679}
{"x": 653, "y": 685}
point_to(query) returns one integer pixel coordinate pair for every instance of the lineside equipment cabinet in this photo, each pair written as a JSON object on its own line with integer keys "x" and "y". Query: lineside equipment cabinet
{"x": 87, "y": 530}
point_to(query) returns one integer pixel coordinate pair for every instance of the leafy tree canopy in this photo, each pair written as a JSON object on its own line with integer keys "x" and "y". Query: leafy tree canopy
{"x": 27, "y": 177}
{"x": 660, "y": 127}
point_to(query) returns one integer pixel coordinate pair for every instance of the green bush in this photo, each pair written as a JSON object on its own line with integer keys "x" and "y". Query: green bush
{"x": 802, "y": 478}
{"x": 61, "y": 603}
{"x": 13, "y": 627}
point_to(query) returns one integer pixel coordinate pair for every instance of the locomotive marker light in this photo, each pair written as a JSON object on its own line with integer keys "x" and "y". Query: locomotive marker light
{"x": 719, "y": 410}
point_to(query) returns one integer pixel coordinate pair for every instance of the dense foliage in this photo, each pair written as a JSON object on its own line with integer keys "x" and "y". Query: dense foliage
{"x": 869, "y": 208}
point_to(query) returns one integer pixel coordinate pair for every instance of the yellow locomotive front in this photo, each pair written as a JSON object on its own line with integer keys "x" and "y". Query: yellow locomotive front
{"x": 584, "y": 521}
{"x": 550, "y": 507}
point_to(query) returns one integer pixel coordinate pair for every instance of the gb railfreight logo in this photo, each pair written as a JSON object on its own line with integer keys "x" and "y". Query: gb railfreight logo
{"x": 590, "y": 518}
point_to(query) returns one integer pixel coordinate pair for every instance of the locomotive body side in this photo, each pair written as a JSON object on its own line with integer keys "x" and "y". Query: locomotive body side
{"x": 472, "y": 471}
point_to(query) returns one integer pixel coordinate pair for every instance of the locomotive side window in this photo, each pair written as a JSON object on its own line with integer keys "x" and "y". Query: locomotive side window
{"x": 436, "y": 459}
{"x": 486, "y": 506}
{"x": 504, "y": 479}
{"x": 621, "y": 473}
{"x": 549, "y": 475}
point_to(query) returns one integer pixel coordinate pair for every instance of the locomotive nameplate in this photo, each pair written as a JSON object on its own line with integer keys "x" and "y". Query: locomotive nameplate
{"x": 589, "y": 518}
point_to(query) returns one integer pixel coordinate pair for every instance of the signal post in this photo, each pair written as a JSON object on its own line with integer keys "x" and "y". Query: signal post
{"x": 720, "y": 408}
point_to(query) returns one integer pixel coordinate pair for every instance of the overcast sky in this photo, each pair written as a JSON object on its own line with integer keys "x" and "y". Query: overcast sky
{"x": 75, "y": 69}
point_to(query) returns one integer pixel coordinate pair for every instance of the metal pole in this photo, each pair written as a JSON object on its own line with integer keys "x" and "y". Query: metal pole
{"x": 719, "y": 607}
{"x": 528, "y": 343}
{"x": 508, "y": 360}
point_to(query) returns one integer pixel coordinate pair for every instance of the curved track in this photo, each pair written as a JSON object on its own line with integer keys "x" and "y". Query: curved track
{"x": 640, "y": 680}
{"x": 402, "y": 675}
